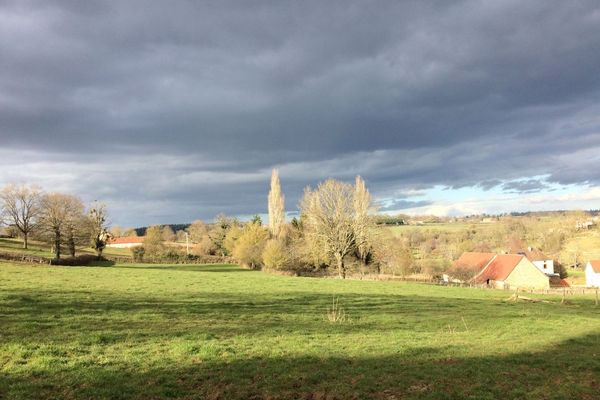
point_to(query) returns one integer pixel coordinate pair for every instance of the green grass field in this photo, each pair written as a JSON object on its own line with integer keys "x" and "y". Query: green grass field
{"x": 221, "y": 332}
{"x": 450, "y": 227}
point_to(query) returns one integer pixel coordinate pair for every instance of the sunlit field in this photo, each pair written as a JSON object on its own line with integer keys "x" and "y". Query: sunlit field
{"x": 219, "y": 331}
{"x": 44, "y": 250}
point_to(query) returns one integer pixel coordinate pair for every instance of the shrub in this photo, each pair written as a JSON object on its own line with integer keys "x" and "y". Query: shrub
{"x": 172, "y": 255}
{"x": 204, "y": 247}
{"x": 137, "y": 253}
{"x": 249, "y": 246}
{"x": 276, "y": 255}
{"x": 82, "y": 260}
{"x": 153, "y": 242}
{"x": 560, "y": 270}
{"x": 231, "y": 237}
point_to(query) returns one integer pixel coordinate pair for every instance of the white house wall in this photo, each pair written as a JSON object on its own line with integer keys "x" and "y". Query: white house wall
{"x": 124, "y": 245}
{"x": 592, "y": 279}
{"x": 549, "y": 266}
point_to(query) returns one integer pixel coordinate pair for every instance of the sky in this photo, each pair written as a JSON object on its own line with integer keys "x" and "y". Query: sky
{"x": 174, "y": 111}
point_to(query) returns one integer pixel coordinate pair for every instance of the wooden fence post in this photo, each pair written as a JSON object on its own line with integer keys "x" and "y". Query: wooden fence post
{"x": 596, "y": 296}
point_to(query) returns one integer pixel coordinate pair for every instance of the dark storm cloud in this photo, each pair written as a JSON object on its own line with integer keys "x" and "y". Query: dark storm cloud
{"x": 525, "y": 186}
{"x": 395, "y": 205}
{"x": 184, "y": 107}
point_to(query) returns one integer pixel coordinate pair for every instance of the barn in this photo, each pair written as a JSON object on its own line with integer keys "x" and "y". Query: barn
{"x": 592, "y": 273}
{"x": 511, "y": 271}
{"x": 502, "y": 271}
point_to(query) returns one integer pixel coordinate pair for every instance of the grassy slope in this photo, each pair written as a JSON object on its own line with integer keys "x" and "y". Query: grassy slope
{"x": 43, "y": 250}
{"x": 224, "y": 332}
{"x": 454, "y": 227}
{"x": 587, "y": 244}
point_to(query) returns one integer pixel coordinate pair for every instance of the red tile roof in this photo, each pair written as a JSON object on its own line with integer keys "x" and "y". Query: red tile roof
{"x": 535, "y": 255}
{"x": 500, "y": 268}
{"x": 473, "y": 261}
{"x": 531, "y": 253}
{"x": 555, "y": 281}
{"x": 595, "y": 266}
{"x": 127, "y": 239}
{"x": 565, "y": 283}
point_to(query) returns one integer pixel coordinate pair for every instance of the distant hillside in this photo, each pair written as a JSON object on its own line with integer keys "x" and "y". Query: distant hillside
{"x": 176, "y": 227}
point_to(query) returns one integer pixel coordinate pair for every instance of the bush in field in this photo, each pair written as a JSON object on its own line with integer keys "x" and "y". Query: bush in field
{"x": 204, "y": 247}
{"x": 82, "y": 260}
{"x": 276, "y": 255}
{"x": 173, "y": 255}
{"x": 233, "y": 234}
{"x": 249, "y": 246}
{"x": 167, "y": 234}
{"x": 153, "y": 243}
{"x": 137, "y": 253}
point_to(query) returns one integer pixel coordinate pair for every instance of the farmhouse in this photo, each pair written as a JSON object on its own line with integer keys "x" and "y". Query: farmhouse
{"x": 502, "y": 271}
{"x": 592, "y": 273}
{"x": 508, "y": 271}
{"x": 539, "y": 259}
{"x": 126, "y": 242}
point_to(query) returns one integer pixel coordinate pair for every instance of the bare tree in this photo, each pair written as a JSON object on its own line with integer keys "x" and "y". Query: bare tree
{"x": 59, "y": 216}
{"x": 363, "y": 221}
{"x": 327, "y": 215}
{"x": 116, "y": 231}
{"x": 197, "y": 230}
{"x": 129, "y": 232}
{"x": 20, "y": 205}
{"x": 154, "y": 245}
{"x": 78, "y": 229}
{"x": 168, "y": 234}
{"x": 276, "y": 206}
{"x": 336, "y": 219}
{"x": 97, "y": 217}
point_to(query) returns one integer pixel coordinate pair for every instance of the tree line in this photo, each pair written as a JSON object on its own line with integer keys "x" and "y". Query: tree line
{"x": 60, "y": 219}
{"x": 335, "y": 229}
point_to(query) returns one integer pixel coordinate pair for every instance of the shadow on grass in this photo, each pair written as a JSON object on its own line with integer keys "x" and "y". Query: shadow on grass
{"x": 38, "y": 317}
{"x": 568, "y": 370}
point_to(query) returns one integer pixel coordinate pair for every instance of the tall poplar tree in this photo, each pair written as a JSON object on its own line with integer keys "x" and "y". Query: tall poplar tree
{"x": 276, "y": 206}
{"x": 362, "y": 220}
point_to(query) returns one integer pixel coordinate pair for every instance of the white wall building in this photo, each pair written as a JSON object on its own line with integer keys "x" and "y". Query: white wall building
{"x": 592, "y": 273}
{"x": 546, "y": 266}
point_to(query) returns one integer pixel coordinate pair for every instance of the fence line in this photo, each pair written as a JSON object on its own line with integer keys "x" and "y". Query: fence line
{"x": 568, "y": 291}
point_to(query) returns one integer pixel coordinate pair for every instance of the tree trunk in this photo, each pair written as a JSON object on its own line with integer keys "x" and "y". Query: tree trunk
{"x": 72, "y": 246}
{"x": 57, "y": 244}
{"x": 25, "y": 240}
{"x": 341, "y": 267}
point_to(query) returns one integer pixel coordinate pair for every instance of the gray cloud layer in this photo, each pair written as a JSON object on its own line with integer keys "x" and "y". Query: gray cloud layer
{"x": 181, "y": 108}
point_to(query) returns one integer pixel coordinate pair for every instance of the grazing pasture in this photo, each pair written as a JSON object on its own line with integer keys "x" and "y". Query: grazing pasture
{"x": 40, "y": 249}
{"x": 222, "y": 332}
{"x": 449, "y": 227}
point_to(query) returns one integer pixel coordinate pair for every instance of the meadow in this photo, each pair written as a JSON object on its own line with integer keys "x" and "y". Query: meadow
{"x": 41, "y": 249}
{"x": 223, "y": 332}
